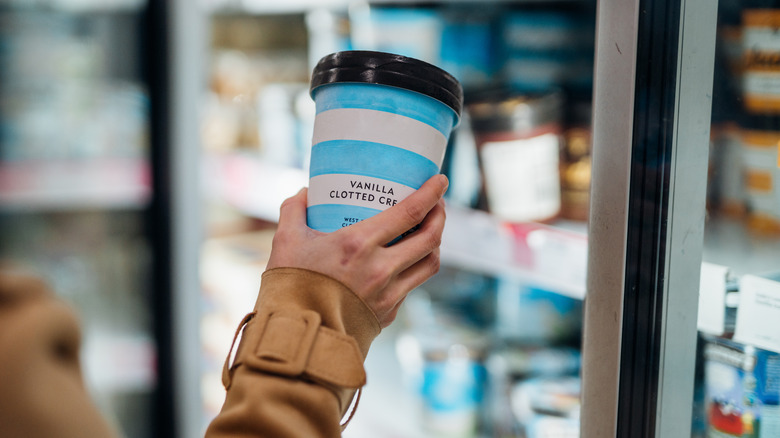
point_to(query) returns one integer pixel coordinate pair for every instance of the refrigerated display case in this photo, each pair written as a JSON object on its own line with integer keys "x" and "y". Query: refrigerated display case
{"x": 680, "y": 324}
{"x": 681, "y": 250}
{"x": 88, "y": 198}
{"x": 672, "y": 243}
{"x": 502, "y": 311}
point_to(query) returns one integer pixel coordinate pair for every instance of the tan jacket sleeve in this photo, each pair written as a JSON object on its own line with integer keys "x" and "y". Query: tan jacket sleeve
{"x": 42, "y": 393}
{"x": 299, "y": 361}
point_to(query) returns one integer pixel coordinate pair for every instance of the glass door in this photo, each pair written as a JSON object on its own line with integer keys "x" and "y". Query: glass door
{"x": 82, "y": 187}
{"x": 738, "y": 362}
{"x": 681, "y": 332}
{"x": 490, "y": 346}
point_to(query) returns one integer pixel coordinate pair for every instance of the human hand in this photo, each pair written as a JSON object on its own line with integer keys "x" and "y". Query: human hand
{"x": 358, "y": 255}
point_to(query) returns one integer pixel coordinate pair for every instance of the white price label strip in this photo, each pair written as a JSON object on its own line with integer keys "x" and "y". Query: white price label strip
{"x": 758, "y": 316}
{"x": 712, "y": 299}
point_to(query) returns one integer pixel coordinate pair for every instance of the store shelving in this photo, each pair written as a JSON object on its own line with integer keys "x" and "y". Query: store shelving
{"x": 728, "y": 242}
{"x": 301, "y": 6}
{"x": 550, "y": 256}
{"x": 80, "y": 6}
{"x": 80, "y": 188}
{"x": 258, "y": 114}
{"x": 254, "y": 186}
{"x": 272, "y": 7}
{"x": 473, "y": 240}
{"x": 61, "y": 185}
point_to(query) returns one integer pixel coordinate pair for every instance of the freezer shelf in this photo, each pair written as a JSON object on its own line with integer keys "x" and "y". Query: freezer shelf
{"x": 298, "y": 6}
{"x": 107, "y": 183}
{"x": 728, "y": 242}
{"x": 86, "y": 6}
{"x": 550, "y": 257}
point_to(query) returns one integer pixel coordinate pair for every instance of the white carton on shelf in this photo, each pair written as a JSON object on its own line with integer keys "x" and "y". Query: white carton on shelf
{"x": 758, "y": 317}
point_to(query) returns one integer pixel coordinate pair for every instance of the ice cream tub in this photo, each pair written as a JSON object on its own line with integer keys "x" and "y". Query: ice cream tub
{"x": 381, "y": 130}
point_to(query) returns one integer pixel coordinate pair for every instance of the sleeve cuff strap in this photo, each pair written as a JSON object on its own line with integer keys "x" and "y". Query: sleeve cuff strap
{"x": 293, "y": 343}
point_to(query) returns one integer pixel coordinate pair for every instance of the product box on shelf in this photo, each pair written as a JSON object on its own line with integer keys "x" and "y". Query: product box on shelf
{"x": 742, "y": 390}
{"x": 547, "y": 407}
{"x": 442, "y": 359}
{"x": 761, "y": 69}
{"x": 518, "y": 138}
{"x": 532, "y": 390}
{"x": 412, "y": 32}
{"x": 718, "y": 299}
{"x": 544, "y": 48}
{"x": 534, "y": 316}
{"x": 468, "y": 46}
{"x": 758, "y": 316}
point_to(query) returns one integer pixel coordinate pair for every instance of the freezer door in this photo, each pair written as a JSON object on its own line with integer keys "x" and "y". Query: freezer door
{"x": 652, "y": 101}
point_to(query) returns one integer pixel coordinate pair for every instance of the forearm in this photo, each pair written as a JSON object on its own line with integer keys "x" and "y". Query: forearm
{"x": 266, "y": 405}
{"x": 299, "y": 361}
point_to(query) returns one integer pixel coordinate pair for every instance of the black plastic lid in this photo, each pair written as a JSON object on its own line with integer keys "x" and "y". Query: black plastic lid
{"x": 510, "y": 111}
{"x": 389, "y": 69}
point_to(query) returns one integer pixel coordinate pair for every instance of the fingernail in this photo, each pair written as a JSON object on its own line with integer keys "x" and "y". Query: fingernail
{"x": 446, "y": 182}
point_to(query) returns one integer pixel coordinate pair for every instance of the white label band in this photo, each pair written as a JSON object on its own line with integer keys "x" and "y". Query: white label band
{"x": 522, "y": 178}
{"x": 355, "y": 190}
{"x": 380, "y": 127}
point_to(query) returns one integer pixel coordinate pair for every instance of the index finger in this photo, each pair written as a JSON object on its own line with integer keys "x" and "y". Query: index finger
{"x": 292, "y": 212}
{"x": 398, "y": 219}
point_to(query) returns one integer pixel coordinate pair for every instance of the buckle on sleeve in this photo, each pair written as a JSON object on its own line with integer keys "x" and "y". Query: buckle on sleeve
{"x": 286, "y": 339}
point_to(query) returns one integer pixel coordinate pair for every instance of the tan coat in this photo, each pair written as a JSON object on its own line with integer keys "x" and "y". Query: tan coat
{"x": 42, "y": 393}
{"x": 300, "y": 359}
{"x": 296, "y": 368}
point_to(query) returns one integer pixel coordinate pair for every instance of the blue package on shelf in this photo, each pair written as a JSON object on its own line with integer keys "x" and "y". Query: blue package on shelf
{"x": 742, "y": 389}
{"x": 533, "y": 71}
{"x": 548, "y": 31}
{"x": 468, "y": 49}
{"x": 412, "y": 32}
{"x": 534, "y": 316}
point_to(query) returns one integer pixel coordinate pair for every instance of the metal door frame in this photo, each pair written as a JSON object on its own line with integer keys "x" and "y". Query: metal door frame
{"x": 652, "y": 103}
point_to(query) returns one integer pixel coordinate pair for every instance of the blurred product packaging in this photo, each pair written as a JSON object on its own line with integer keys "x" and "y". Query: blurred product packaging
{"x": 412, "y": 32}
{"x": 329, "y": 32}
{"x": 529, "y": 315}
{"x": 548, "y": 48}
{"x": 82, "y": 103}
{"x": 760, "y": 82}
{"x": 515, "y": 376}
{"x": 742, "y": 390}
{"x": 257, "y": 67}
{"x": 548, "y": 407}
{"x": 518, "y": 137}
{"x": 761, "y": 173}
{"x": 576, "y": 163}
{"x": 468, "y": 46}
{"x": 442, "y": 361}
